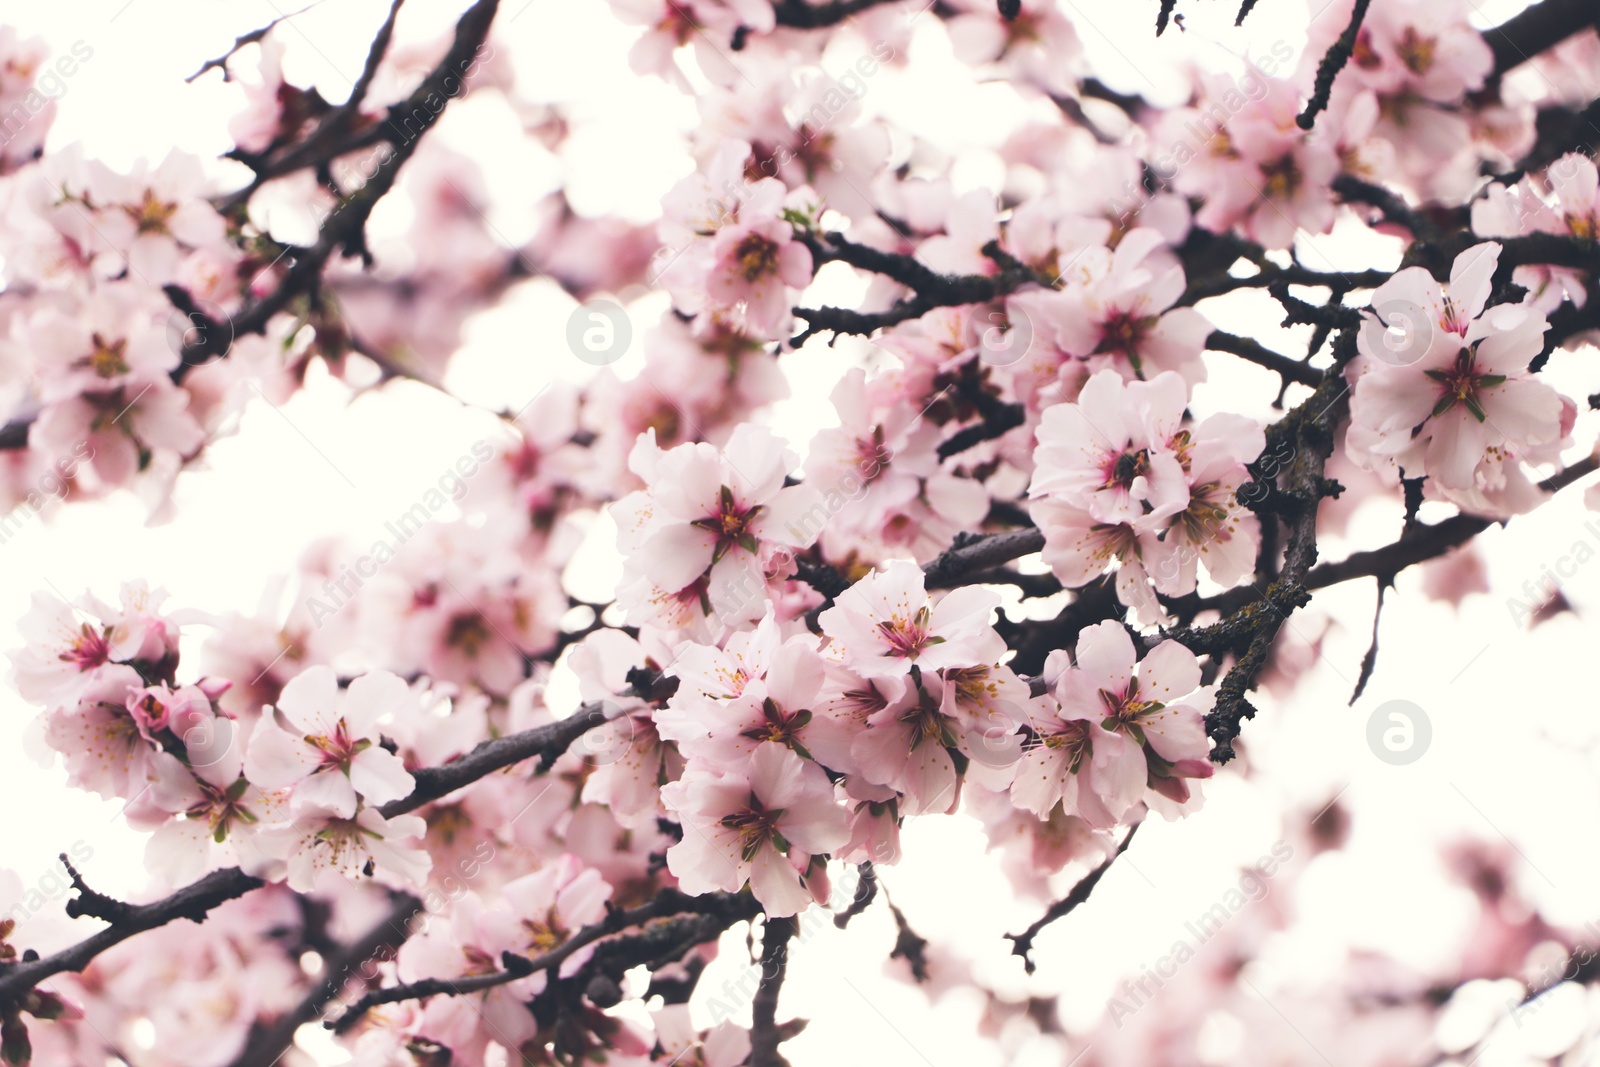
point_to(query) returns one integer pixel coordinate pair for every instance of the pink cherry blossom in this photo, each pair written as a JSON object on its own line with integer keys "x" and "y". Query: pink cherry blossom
{"x": 1110, "y": 453}
{"x": 886, "y": 624}
{"x": 1453, "y": 394}
{"x": 743, "y": 826}
{"x": 698, "y": 534}
{"x": 320, "y": 847}
{"x": 333, "y": 757}
{"x": 1140, "y": 732}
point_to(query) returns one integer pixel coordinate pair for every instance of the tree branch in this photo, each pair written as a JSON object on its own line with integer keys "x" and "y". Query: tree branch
{"x": 270, "y": 1046}
{"x": 1022, "y": 944}
{"x": 547, "y": 742}
{"x": 1292, "y": 370}
{"x": 765, "y": 1034}
{"x": 732, "y": 907}
{"x": 191, "y": 902}
{"x": 1536, "y": 29}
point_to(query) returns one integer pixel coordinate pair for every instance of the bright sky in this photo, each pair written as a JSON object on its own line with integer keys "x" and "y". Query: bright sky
{"x": 1514, "y": 734}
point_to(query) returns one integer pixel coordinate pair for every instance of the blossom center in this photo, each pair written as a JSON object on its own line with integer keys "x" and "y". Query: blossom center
{"x": 731, "y": 523}
{"x": 1074, "y": 741}
{"x": 1125, "y": 710}
{"x": 927, "y": 722}
{"x": 108, "y": 359}
{"x": 152, "y": 215}
{"x": 1282, "y": 178}
{"x": 545, "y": 934}
{"x": 467, "y": 632}
{"x": 906, "y": 638}
{"x": 1416, "y": 51}
{"x": 338, "y": 748}
{"x": 757, "y": 256}
{"x": 778, "y": 725}
{"x": 1461, "y": 385}
{"x": 755, "y": 826}
{"x": 89, "y": 649}
{"x": 1127, "y": 467}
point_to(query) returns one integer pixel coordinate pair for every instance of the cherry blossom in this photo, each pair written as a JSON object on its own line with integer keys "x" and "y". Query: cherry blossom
{"x": 1456, "y": 398}
{"x": 753, "y": 825}
{"x": 321, "y": 845}
{"x": 331, "y": 755}
{"x": 701, "y": 534}
{"x": 886, "y": 625}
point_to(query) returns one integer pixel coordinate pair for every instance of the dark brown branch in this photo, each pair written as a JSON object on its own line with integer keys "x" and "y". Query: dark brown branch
{"x": 930, "y": 289}
{"x": 253, "y": 37}
{"x": 866, "y": 893}
{"x": 1216, "y": 284}
{"x": 269, "y": 1047}
{"x": 1030, "y": 585}
{"x": 803, "y": 16}
{"x": 765, "y": 1034}
{"x": 996, "y": 424}
{"x": 1022, "y": 944}
{"x": 731, "y": 907}
{"x": 1163, "y": 15}
{"x": 1536, "y": 29}
{"x": 91, "y": 903}
{"x": 1558, "y": 130}
{"x": 1333, "y": 61}
{"x": 1428, "y": 542}
{"x": 1390, "y": 205}
{"x": 908, "y": 944}
{"x": 1311, "y": 430}
{"x": 1289, "y": 369}
{"x": 331, "y": 137}
{"x": 547, "y": 742}
{"x": 191, "y": 902}
{"x": 955, "y": 564}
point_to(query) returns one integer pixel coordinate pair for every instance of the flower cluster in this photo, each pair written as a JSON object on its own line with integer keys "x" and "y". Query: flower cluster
{"x": 1122, "y": 480}
{"x": 1445, "y": 389}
